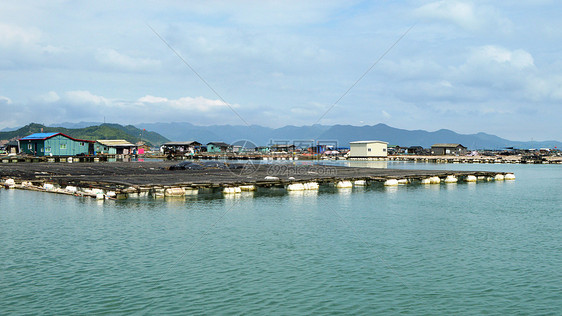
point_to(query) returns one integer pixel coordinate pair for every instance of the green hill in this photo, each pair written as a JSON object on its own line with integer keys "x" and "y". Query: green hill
{"x": 103, "y": 131}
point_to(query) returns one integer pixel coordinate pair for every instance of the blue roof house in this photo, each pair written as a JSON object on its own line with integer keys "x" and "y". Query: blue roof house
{"x": 55, "y": 144}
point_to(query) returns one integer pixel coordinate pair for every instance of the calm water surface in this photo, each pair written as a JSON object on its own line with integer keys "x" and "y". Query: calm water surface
{"x": 486, "y": 248}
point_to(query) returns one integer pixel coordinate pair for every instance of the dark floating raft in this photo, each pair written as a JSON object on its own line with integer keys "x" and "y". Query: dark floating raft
{"x": 159, "y": 177}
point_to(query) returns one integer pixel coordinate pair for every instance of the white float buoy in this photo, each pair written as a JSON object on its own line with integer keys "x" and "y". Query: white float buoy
{"x": 509, "y": 176}
{"x": 451, "y": 179}
{"x": 470, "y": 178}
{"x": 99, "y": 196}
{"x": 311, "y": 186}
{"x": 344, "y": 184}
{"x": 391, "y": 182}
{"x": 10, "y": 183}
{"x": 499, "y": 177}
{"x": 360, "y": 183}
{"x": 295, "y": 187}
{"x": 434, "y": 180}
{"x": 271, "y": 178}
{"x": 95, "y": 191}
{"x": 70, "y": 188}
{"x": 231, "y": 190}
{"x": 248, "y": 187}
{"x": 174, "y": 192}
{"x": 403, "y": 181}
{"x": 426, "y": 181}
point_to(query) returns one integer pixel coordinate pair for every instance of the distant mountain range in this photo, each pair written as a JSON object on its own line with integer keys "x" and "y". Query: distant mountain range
{"x": 158, "y": 133}
{"x": 343, "y": 134}
{"x": 103, "y": 131}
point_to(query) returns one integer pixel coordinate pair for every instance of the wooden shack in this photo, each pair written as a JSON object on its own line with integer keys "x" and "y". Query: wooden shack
{"x": 448, "y": 149}
{"x": 114, "y": 147}
{"x": 55, "y": 144}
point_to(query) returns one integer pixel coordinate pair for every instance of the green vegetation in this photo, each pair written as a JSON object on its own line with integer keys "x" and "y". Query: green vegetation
{"x": 103, "y": 131}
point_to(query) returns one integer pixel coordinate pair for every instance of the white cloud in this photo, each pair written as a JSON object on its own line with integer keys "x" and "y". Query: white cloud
{"x": 83, "y": 105}
{"x": 278, "y": 58}
{"x": 5, "y": 100}
{"x": 200, "y": 104}
{"x": 466, "y": 15}
{"x": 446, "y": 84}
{"x": 49, "y": 97}
{"x": 113, "y": 58}
{"x": 83, "y": 97}
{"x": 544, "y": 89}
{"x": 13, "y": 35}
{"x": 270, "y": 13}
{"x": 494, "y": 54}
{"x": 460, "y": 13}
{"x": 385, "y": 114}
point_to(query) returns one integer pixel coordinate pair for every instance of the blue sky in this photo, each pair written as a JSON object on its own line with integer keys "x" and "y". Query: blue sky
{"x": 469, "y": 66}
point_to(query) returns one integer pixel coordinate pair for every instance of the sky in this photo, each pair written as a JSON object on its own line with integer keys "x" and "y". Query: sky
{"x": 468, "y": 66}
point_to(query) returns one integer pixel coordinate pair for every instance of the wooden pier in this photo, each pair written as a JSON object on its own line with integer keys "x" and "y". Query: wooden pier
{"x": 156, "y": 178}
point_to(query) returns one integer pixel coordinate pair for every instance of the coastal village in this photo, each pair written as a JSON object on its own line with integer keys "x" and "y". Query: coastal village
{"x": 76, "y": 166}
{"x": 57, "y": 146}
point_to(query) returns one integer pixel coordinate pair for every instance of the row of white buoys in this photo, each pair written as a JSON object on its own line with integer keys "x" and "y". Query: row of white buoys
{"x": 344, "y": 184}
{"x": 160, "y": 192}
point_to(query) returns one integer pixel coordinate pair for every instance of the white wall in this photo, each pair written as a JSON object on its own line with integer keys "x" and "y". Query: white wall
{"x": 374, "y": 149}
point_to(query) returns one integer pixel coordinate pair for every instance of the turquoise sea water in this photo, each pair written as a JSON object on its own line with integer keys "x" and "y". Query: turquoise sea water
{"x": 486, "y": 248}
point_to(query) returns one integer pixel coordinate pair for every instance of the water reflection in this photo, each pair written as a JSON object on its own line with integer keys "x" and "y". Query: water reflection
{"x": 364, "y": 164}
{"x": 175, "y": 200}
{"x": 451, "y": 186}
{"x": 302, "y": 194}
{"x": 433, "y": 187}
{"x": 247, "y": 194}
{"x": 391, "y": 189}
